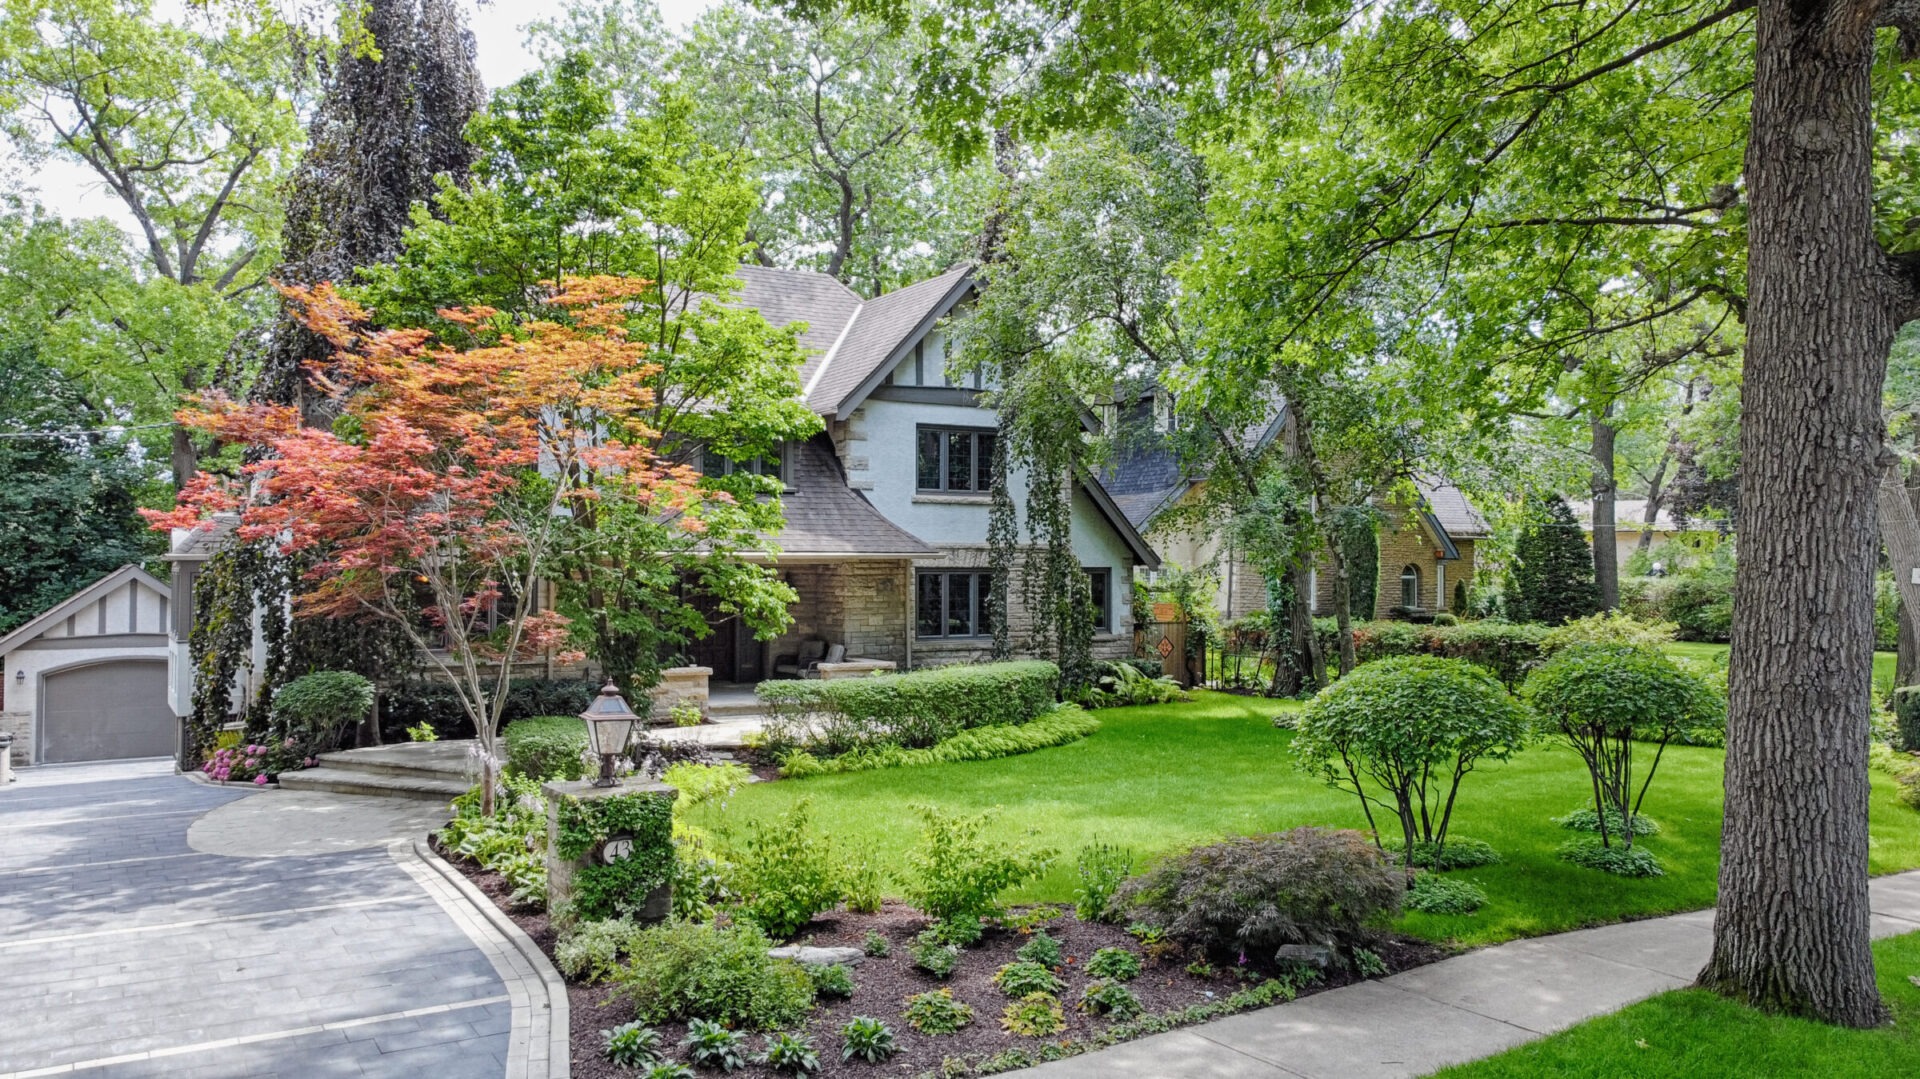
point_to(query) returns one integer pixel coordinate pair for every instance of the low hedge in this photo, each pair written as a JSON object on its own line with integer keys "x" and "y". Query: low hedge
{"x": 437, "y": 705}
{"x": 546, "y": 748}
{"x": 913, "y": 711}
{"x": 1508, "y": 649}
{"x": 1067, "y": 723}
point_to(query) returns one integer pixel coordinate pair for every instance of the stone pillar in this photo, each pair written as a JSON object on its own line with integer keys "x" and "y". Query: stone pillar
{"x": 677, "y": 686}
{"x": 613, "y": 848}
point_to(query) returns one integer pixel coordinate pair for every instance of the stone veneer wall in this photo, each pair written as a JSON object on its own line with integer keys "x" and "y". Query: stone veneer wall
{"x": 20, "y": 725}
{"x": 863, "y": 605}
{"x": 1400, "y": 547}
{"x": 937, "y": 652}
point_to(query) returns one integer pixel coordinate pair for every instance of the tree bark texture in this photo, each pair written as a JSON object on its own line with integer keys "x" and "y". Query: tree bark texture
{"x": 1606, "y": 566}
{"x": 1791, "y": 932}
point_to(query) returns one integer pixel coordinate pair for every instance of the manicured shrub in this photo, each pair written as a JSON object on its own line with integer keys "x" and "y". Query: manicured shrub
{"x": 834, "y": 981}
{"x": 1024, "y": 978}
{"x": 689, "y": 970}
{"x": 1700, "y": 603}
{"x": 315, "y": 710}
{"x": 1459, "y": 853}
{"x": 937, "y": 1012}
{"x": 875, "y": 945}
{"x": 1042, "y": 949}
{"x": 790, "y": 1054}
{"x": 1066, "y": 723}
{"x": 710, "y": 1045}
{"x": 1553, "y": 571}
{"x": 1114, "y": 964}
{"x": 786, "y": 873}
{"x": 1037, "y": 1015}
{"x": 958, "y": 874}
{"x": 913, "y": 710}
{"x": 1111, "y": 999}
{"x": 632, "y": 1045}
{"x": 1910, "y": 789}
{"x": 1906, "y": 718}
{"x": 1102, "y": 867}
{"x": 1620, "y": 861}
{"x": 1433, "y": 894}
{"x": 1508, "y": 649}
{"x": 867, "y": 1039}
{"x": 546, "y": 748}
{"x": 1256, "y": 893}
{"x": 1404, "y": 733}
{"x": 1601, "y": 698}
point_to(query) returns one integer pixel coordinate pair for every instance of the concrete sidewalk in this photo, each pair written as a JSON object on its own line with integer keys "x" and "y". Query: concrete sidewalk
{"x": 1456, "y": 1010}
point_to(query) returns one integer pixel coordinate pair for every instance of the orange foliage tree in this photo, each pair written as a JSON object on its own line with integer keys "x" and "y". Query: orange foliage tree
{"x": 441, "y": 493}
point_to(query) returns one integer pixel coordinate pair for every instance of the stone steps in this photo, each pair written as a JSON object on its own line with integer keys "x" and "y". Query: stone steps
{"x": 375, "y": 784}
{"x": 422, "y": 770}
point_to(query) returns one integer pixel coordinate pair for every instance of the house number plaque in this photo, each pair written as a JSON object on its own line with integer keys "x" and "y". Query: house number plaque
{"x": 616, "y": 849}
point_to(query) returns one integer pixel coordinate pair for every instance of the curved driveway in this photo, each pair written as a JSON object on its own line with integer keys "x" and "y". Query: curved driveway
{"x": 125, "y": 951}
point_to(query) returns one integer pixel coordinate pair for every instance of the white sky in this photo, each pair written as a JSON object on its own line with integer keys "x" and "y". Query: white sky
{"x": 72, "y": 191}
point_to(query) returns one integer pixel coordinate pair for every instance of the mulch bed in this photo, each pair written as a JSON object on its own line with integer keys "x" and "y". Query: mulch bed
{"x": 881, "y": 986}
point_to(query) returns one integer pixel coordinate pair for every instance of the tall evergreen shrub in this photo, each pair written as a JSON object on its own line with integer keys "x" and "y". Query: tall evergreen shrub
{"x": 1553, "y": 578}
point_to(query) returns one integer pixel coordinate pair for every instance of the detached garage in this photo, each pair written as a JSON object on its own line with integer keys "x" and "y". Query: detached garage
{"x": 87, "y": 680}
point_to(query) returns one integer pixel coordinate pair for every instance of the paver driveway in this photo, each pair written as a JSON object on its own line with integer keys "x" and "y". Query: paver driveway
{"x": 125, "y": 952}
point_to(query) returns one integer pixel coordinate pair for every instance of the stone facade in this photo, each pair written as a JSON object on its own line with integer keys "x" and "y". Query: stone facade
{"x": 678, "y": 686}
{"x": 1401, "y": 547}
{"x": 865, "y": 606}
{"x": 20, "y": 725}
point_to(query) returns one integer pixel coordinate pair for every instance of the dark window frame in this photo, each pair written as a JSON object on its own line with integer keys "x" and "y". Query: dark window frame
{"x": 1100, "y": 587}
{"x": 980, "y": 447}
{"x": 978, "y": 603}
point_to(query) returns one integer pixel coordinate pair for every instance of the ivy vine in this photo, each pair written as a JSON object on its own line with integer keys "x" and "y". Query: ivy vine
{"x": 620, "y": 888}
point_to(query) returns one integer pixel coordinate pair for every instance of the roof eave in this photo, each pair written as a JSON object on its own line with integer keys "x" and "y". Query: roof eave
{"x": 844, "y": 409}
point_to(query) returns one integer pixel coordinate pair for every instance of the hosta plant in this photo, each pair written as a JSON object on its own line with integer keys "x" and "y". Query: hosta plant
{"x": 867, "y": 1039}
{"x": 710, "y": 1045}
{"x": 1023, "y": 979}
{"x": 632, "y": 1045}
{"x": 937, "y": 1012}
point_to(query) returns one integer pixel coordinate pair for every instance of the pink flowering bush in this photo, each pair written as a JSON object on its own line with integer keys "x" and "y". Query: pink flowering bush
{"x": 238, "y": 764}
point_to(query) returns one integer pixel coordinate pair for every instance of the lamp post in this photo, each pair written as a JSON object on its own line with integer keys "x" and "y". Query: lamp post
{"x": 609, "y": 727}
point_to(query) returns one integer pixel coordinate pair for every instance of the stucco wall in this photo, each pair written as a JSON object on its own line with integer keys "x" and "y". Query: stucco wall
{"x": 37, "y": 659}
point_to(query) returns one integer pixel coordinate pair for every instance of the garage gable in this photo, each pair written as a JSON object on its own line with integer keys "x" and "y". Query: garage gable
{"x": 129, "y": 602}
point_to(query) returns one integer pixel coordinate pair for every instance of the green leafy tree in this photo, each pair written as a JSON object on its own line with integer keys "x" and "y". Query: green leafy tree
{"x": 67, "y": 507}
{"x": 1410, "y": 728}
{"x": 189, "y": 121}
{"x": 1603, "y": 699}
{"x": 565, "y": 185}
{"x": 1553, "y": 571}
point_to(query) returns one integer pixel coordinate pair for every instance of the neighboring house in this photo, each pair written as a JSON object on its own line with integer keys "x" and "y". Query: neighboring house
{"x": 886, "y": 510}
{"x": 1425, "y": 550}
{"x": 1630, "y": 523}
{"x": 86, "y": 679}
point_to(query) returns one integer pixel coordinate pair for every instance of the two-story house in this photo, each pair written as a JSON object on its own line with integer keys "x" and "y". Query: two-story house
{"x": 886, "y": 534}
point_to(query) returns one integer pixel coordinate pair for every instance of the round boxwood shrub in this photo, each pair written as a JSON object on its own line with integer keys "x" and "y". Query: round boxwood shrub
{"x": 1248, "y": 893}
{"x": 315, "y": 710}
{"x": 1402, "y": 734}
{"x": 546, "y": 748}
{"x": 1602, "y": 699}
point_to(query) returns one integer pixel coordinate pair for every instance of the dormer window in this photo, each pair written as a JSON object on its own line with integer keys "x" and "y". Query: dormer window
{"x": 715, "y": 463}
{"x": 1165, "y": 419}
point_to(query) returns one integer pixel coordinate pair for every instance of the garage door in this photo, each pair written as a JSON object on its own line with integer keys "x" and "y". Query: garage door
{"x": 107, "y": 711}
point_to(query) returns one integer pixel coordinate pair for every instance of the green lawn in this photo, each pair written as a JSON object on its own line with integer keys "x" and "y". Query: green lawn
{"x": 1717, "y": 653}
{"x": 1701, "y": 1036}
{"x": 1158, "y": 778}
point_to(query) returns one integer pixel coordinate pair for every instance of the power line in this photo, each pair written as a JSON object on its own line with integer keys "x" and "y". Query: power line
{"x": 79, "y": 432}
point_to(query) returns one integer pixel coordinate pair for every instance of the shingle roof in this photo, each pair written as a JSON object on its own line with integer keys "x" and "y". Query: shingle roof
{"x": 825, "y": 517}
{"x": 789, "y": 296}
{"x": 1451, "y": 508}
{"x": 885, "y": 324}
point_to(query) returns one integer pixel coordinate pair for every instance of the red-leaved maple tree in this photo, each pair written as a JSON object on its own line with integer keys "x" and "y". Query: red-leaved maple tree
{"x": 438, "y": 497}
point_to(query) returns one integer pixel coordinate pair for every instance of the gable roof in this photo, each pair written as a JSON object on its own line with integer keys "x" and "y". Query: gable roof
{"x": 784, "y": 297}
{"x": 1129, "y": 533}
{"x": 885, "y": 329}
{"x": 79, "y": 601}
{"x": 1450, "y": 509}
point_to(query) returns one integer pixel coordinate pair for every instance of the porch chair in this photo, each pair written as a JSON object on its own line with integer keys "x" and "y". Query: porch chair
{"x": 798, "y": 666}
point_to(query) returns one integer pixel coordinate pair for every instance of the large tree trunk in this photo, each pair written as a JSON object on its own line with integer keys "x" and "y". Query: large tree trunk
{"x": 1791, "y": 932}
{"x": 1606, "y": 565}
{"x": 1342, "y": 602}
